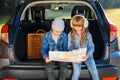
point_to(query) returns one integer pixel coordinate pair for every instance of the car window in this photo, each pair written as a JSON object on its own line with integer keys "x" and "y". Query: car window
{"x": 63, "y": 10}
{"x": 59, "y": 10}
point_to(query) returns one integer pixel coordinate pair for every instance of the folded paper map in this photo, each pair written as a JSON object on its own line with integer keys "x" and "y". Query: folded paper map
{"x": 67, "y": 56}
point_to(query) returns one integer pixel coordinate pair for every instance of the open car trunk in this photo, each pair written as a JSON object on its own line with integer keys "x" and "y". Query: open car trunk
{"x": 28, "y": 26}
{"x": 21, "y": 41}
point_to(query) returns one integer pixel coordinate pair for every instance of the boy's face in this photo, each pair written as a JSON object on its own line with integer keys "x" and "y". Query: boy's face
{"x": 57, "y": 33}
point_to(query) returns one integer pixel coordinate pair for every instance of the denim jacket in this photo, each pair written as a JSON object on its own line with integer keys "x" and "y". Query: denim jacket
{"x": 76, "y": 43}
{"x": 48, "y": 44}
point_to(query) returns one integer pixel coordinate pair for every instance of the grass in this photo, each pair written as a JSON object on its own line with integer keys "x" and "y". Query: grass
{"x": 113, "y": 15}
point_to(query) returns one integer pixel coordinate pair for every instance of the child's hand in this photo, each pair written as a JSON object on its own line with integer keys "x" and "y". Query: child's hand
{"x": 79, "y": 61}
{"x": 84, "y": 58}
{"x": 47, "y": 60}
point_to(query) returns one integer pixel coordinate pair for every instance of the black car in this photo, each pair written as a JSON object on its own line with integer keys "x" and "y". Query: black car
{"x": 26, "y": 63}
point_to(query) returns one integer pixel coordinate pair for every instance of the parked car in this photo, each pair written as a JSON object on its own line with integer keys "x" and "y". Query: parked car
{"x": 34, "y": 15}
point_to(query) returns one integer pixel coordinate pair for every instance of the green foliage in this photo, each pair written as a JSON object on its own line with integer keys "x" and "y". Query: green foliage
{"x": 107, "y": 4}
{"x": 7, "y": 6}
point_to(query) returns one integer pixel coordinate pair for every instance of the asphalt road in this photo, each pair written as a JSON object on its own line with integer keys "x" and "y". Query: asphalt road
{"x": 3, "y": 62}
{"x": 115, "y": 61}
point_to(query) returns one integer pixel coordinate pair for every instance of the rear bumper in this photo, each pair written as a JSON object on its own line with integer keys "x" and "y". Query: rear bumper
{"x": 38, "y": 72}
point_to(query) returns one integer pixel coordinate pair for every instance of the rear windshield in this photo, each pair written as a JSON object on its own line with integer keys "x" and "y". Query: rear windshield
{"x": 53, "y": 10}
{"x": 59, "y": 10}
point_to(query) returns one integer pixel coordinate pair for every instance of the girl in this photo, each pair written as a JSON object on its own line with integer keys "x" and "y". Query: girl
{"x": 79, "y": 37}
{"x": 55, "y": 40}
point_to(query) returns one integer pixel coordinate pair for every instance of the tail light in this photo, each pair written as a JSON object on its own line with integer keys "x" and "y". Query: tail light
{"x": 110, "y": 78}
{"x": 10, "y": 79}
{"x": 4, "y": 33}
{"x": 113, "y": 32}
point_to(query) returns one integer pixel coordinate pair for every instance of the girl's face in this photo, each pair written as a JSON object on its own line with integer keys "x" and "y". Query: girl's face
{"x": 78, "y": 28}
{"x": 78, "y": 23}
{"x": 57, "y": 33}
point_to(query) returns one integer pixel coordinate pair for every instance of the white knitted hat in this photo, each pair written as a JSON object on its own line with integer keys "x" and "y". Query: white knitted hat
{"x": 58, "y": 24}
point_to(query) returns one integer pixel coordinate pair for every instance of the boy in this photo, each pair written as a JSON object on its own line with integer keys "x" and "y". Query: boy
{"x": 54, "y": 40}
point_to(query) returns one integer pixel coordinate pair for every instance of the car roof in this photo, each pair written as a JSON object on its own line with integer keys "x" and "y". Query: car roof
{"x": 28, "y": 1}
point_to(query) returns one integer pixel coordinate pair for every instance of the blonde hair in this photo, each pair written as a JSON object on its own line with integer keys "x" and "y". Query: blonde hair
{"x": 79, "y": 20}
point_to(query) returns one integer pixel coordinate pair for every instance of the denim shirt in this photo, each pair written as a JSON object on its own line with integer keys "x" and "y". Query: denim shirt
{"x": 48, "y": 44}
{"x": 76, "y": 43}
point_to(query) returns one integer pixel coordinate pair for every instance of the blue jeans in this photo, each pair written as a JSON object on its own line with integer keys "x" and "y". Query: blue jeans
{"x": 90, "y": 63}
{"x": 62, "y": 71}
